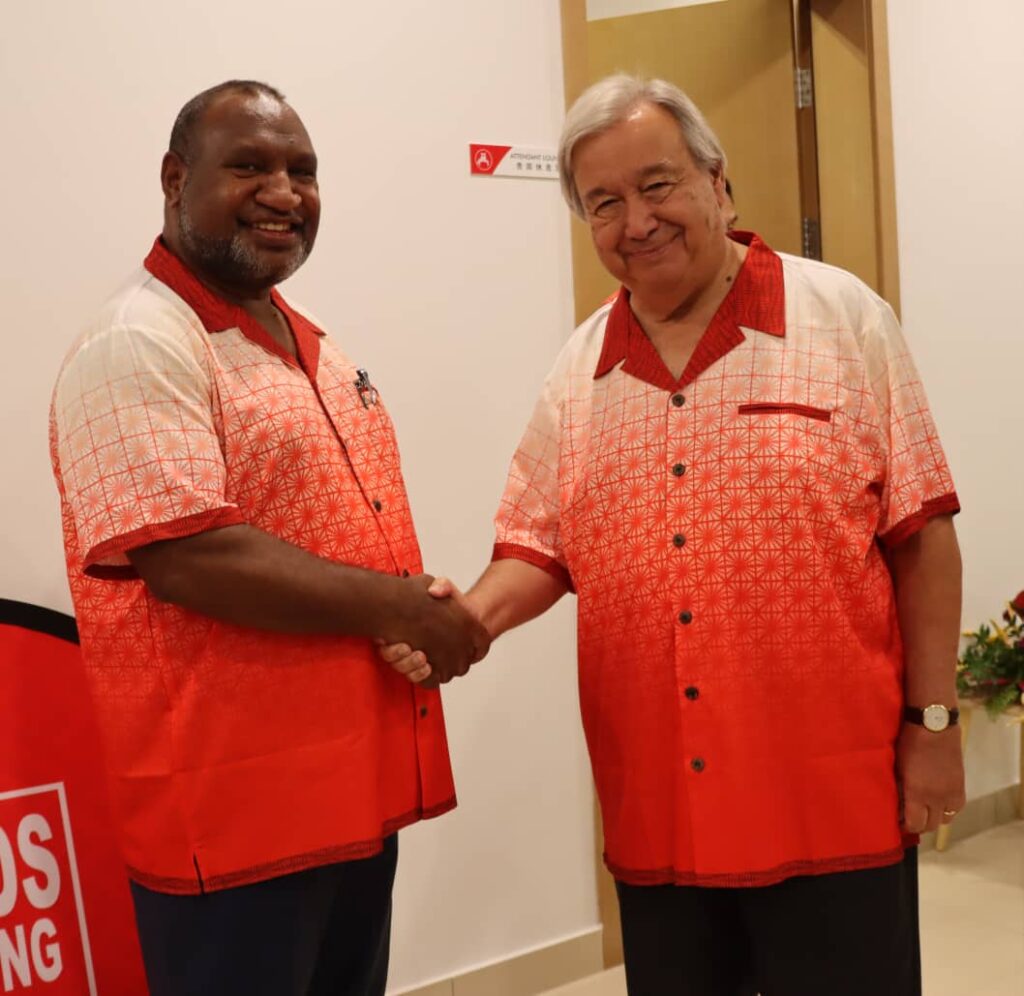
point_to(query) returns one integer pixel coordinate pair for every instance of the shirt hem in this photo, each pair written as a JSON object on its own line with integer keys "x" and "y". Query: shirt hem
{"x": 769, "y": 876}
{"x": 193, "y": 886}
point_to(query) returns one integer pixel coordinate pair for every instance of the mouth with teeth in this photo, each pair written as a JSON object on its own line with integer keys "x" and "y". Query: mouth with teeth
{"x": 276, "y": 233}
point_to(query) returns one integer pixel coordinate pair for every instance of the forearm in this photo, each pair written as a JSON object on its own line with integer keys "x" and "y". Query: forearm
{"x": 926, "y": 571}
{"x": 245, "y": 576}
{"x": 511, "y": 592}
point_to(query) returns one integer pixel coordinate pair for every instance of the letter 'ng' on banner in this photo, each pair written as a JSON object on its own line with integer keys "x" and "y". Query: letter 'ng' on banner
{"x": 66, "y": 923}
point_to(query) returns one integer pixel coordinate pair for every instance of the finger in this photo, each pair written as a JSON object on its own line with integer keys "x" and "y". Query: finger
{"x": 949, "y": 814}
{"x": 915, "y": 817}
{"x": 394, "y": 652}
{"x": 481, "y": 645}
{"x": 413, "y": 662}
{"x": 442, "y": 588}
{"x": 420, "y": 674}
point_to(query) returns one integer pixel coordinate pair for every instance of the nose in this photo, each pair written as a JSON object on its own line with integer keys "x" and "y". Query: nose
{"x": 277, "y": 192}
{"x": 640, "y": 221}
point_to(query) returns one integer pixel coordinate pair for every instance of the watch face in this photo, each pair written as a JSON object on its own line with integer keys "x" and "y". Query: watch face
{"x": 936, "y": 718}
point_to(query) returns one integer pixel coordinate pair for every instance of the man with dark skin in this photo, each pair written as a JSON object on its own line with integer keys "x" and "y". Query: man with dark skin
{"x": 243, "y": 228}
{"x": 238, "y": 536}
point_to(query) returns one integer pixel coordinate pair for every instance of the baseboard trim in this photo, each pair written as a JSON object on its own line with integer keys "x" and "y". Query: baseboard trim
{"x": 525, "y": 974}
{"x": 980, "y": 814}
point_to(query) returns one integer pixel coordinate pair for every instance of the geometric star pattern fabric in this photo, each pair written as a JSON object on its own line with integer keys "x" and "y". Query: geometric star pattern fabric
{"x": 235, "y": 754}
{"x": 740, "y": 664}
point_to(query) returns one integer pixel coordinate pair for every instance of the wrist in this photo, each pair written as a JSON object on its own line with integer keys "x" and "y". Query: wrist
{"x": 394, "y": 610}
{"x": 934, "y": 717}
{"x": 486, "y": 615}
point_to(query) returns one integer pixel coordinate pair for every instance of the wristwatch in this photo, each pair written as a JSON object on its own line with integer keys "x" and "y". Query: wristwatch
{"x": 935, "y": 718}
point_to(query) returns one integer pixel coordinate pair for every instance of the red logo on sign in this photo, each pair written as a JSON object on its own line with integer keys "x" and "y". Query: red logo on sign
{"x": 485, "y": 159}
{"x": 43, "y": 937}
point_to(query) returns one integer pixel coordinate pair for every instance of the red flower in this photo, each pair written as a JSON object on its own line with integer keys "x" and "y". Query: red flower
{"x": 1018, "y": 604}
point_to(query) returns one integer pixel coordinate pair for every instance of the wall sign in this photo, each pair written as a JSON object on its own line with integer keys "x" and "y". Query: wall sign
{"x": 513, "y": 160}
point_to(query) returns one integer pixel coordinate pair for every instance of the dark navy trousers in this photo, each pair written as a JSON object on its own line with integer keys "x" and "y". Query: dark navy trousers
{"x": 312, "y": 933}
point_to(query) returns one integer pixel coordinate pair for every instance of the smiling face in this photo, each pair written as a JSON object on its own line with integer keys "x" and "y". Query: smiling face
{"x": 243, "y": 211}
{"x": 655, "y": 216}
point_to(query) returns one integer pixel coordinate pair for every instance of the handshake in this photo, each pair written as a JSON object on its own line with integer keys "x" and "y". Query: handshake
{"x": 436, "y": 636}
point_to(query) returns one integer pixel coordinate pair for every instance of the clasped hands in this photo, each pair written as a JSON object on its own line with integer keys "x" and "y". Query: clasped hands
{"x": 438, "y": 638}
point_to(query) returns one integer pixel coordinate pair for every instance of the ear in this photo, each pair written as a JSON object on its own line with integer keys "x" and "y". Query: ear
{"x": 718, "y": 182}
{"x": 172, "y": 177}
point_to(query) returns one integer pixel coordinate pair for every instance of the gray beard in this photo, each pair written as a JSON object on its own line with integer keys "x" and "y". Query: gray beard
{"x": 231, "y": 262}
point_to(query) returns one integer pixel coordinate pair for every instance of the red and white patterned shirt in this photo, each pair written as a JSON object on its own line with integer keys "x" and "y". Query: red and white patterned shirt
{"x": 739, "y": 655}
{"x": 235, "y": 754}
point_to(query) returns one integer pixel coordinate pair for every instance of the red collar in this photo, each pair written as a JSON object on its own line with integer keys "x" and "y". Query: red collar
{"x": 218, "y": 315}
{"x": 756, "y": 301}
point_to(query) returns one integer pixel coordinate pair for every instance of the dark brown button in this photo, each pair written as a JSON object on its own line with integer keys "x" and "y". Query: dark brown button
{"x": 423, "y": 712}
{"x": 697, "y": 764}
{"x": 692, "y": 693}
{"x": 679, "y": 539}
{"x": 686, "y": 617}
{"x": 378, "y": 505}
{"x": 679, "y": 469}
{"x": 405, "y": 572}
{"x": 678, "y": 400}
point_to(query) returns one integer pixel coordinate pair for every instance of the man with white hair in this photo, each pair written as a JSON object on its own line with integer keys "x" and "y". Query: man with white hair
{"x": 733, "y": 465}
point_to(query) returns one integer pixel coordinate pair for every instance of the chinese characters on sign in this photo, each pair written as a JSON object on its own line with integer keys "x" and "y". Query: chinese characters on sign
{"x": 513, "y": 160}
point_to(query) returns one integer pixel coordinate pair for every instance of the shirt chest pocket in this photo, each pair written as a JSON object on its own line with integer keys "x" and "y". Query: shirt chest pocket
{"x": 785, "y": 408}
{"x": 794, "y": 450}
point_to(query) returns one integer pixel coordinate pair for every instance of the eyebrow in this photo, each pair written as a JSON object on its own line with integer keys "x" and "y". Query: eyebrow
{"x": 246, "y": 150}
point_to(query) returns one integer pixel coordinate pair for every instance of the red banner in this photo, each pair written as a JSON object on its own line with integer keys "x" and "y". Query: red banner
{"x": 66, "y": 923}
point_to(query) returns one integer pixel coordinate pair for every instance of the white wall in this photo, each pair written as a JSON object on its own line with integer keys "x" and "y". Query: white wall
{"x": 598, "y": 10}
{"x": 454, "y": 292}
{"x": 959, "y": 162}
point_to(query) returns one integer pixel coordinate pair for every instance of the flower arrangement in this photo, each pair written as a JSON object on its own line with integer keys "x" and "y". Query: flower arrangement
{"x": 991, "y": 667}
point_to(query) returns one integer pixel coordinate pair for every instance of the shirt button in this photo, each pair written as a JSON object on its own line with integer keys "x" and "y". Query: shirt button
{"x": 678, "y": 400}
{"x": 692, "y": 693}
{"x": 405, "y": 572}
{"x": 686, "y": 617}
{"x": 679, "y": 469}
{"x": 378, "y": 504}
{"x": 697, "y": 764}
{"x": 423, "y": 712}
{"x": 679, "y": 539}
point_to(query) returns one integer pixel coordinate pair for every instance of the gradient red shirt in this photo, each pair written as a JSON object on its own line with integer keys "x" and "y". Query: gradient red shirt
{"x": 739, "y": 656}
{"x": 235, "y": 754}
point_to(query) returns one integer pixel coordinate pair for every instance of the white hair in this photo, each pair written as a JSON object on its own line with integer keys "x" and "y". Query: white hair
{"x": 609, "y": 101}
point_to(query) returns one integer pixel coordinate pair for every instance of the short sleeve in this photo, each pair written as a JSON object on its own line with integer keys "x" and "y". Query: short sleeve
{"x": 918, "y": 485}
{"x": 136, "y": 451}
{"x": 527, "y": 523}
